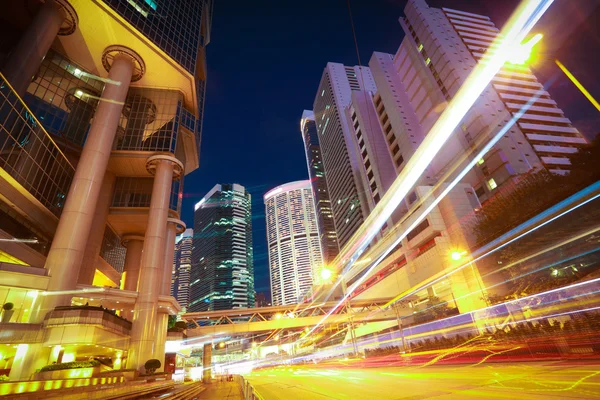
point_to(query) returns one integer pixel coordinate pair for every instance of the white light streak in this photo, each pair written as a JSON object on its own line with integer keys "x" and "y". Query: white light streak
{"x": 521, "y": 22}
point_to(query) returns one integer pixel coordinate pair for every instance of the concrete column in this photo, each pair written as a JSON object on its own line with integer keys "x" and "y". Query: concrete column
{"x": 65, "y": 256}
{"x": 162, "y": 325}
{"x": 163, "y": 319}
{"x": 131, "y": 270}
{"x": 28, "y": 358}
{"x": 96, "y": 237}
{"x": 143, "y": 341}
{"x": 28, "y": 54}
{"x": 133, "y": 260}
{"x": 207, "y": 363}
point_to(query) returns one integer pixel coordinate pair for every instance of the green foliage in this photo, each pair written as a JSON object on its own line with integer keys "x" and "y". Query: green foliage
{"x": 4, "y": 378}
{"x": 71, "y": 365}
{"x": 535, "y": 192}
{"x": 8, "y": 306}
{"x": 152, "y": 365}
{"x": 172, "y": 321}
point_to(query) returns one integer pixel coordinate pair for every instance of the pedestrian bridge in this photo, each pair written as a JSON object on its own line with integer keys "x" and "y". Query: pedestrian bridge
{"x": 255, "y": 320}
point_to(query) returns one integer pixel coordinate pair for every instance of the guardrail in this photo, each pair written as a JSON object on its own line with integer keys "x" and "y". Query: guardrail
{"x": 247, "y": 389}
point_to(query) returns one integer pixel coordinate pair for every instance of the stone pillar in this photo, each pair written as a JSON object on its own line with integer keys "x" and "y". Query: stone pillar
{"x": 131, "y": 270}
{"x": 133, "y": 260}
{"x": 174, "y": 226}
{"x": 28, "y": 358}
{"x": 207, "y": 363}
{"x": 96, "y": 237}
{"x": 161, "y": 337}
{"x": 69, "y": 244}
{"x": 143, "y": 341}
{"x": 29, "y": 53}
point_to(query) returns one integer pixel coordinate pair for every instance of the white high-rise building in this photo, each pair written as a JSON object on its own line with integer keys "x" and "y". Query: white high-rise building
{"x": 295, "y": 255}
{"x": 439, "y": 51}
{"x": 350, "y": 202}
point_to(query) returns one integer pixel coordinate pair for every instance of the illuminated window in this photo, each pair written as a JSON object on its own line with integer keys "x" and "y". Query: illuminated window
{"x": 492, "y": 184}
{"x": 420, "y": 47}
{"x": 428, "y": 61}
{"x": 138, "y": 8}
{"x": 480, "y": 161}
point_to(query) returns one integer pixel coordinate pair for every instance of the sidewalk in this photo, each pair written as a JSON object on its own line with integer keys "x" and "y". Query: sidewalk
{"x": 222, "y": 390}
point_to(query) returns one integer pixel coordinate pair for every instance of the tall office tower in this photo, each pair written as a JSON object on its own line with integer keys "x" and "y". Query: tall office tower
{"x": 222, "y": 275}
{"x": 182, "y": 264}
{"x": 339, "y": 148}
{"x": 440, "y": 49}
{"x": 93, "y": 152}
{"x": 295, "y": 258}
{"x": 316, "y": 173}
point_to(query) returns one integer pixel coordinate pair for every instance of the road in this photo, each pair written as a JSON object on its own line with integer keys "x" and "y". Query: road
{"x": 526, "y": 380}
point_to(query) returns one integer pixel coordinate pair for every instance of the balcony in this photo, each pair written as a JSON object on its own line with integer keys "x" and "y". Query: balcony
{"x": 29, "y": 154}
{"x": 87, "y": 315}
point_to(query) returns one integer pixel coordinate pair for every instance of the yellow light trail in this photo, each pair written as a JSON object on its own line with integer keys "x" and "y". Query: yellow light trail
{"x": 578, "y": 84}
{"x": 519, "y": 25}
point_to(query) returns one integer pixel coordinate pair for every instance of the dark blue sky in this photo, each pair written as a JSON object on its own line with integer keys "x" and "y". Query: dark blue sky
{"x": 265, "y": 62}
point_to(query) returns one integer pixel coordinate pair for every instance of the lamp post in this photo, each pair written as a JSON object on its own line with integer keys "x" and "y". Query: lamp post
{"x": 401, "y": 304}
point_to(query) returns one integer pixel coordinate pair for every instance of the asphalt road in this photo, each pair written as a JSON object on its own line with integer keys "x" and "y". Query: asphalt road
{"x": 526, "y": 380}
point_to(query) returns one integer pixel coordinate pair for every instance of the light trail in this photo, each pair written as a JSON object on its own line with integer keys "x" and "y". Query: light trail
{"x": 528, "y": 258}
{"x": 519, "y": 25}
{"x": 19, "y": 240}
{"x": 581, "y": 88}
{"x": 521, "y": 22}
{"x": 435, "y": 279}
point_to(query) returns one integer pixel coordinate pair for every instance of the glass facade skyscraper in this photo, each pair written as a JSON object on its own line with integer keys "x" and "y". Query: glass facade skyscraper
{"x": 182, "y": 265}
{"x": 222, "y": 274}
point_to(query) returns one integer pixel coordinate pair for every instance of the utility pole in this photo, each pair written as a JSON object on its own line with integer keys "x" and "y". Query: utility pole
{"x": 399, "y": 305}
{"x": 351, "y": 318}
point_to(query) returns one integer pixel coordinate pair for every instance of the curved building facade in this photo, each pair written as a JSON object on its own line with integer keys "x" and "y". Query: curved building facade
{"x": 293, "y": 241}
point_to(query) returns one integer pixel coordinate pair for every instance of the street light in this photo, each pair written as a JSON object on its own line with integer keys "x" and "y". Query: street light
{"x": 457, "y": 255}
{"x": 326, "y": 274}
{"x": 522, "y": 53}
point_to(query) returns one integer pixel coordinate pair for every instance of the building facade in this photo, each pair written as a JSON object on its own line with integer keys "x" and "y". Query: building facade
{"x": 293, "y": 242}
{"x": 440, "y": 49}
{"x": 339, "y": 148}
{"x": 222, "y": 275}
{"x": 182, "y": 265}
{"x": 316, "y": 173}
{"x": 93, "y": 153}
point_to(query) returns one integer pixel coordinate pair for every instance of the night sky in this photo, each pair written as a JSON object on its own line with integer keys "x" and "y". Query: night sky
{"x": 265, "y": 62}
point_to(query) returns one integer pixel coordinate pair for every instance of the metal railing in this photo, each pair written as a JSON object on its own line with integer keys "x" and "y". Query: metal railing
{"x": 247, "y": 389}
{"x": 29, "y": 154}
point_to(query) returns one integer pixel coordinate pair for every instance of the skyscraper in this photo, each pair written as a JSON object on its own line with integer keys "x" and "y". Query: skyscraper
{"x": 182, "y": 265}
{"x": 440, "y": 49}
{"x": 293, "y": 241}
{"x": 222, "y": 275}
{"x": 316, "y": 173}
{"x": 339, "y": 148}
{"x": 101, "y": 105}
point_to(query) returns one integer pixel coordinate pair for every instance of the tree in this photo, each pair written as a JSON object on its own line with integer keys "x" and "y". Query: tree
{"x": 532, "y": 193}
